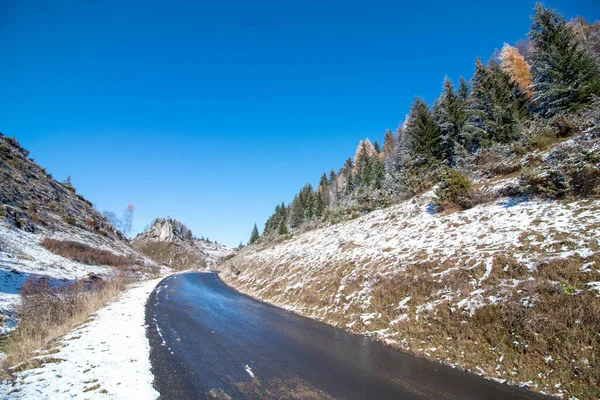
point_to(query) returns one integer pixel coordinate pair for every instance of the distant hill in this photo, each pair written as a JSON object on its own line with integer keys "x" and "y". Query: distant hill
{"x": 171, "y": 242}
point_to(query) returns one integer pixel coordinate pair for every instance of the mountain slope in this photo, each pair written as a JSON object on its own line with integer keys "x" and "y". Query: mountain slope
{"x": 509, "y": 289}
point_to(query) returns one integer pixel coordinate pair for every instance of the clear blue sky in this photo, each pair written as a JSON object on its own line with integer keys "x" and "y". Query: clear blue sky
{"x": 213, "y": 112}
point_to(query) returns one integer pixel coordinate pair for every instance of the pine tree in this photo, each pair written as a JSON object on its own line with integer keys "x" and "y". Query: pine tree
{"x": 450, "y": 112}
{"x": 425, "y": 141}
{"x": 565, "y": 75}
{"x": 254, "y": 235}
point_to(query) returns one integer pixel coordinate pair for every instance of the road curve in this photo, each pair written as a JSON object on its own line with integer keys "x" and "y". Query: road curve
{"x": 209, "y": 341}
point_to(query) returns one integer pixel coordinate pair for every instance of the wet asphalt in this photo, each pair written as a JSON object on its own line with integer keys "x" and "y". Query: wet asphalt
{"x": 211, "y": 342}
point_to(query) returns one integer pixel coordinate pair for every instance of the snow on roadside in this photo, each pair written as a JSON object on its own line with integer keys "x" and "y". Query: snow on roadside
{"x": 108, "y": 357}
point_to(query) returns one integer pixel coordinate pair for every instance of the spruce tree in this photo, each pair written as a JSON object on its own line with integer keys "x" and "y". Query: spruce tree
{"x": 254, "y": 235}
{"x": 376, "y": 147}
{"x": 450, "y": 113}
{"x": 296, "y": 213}
{"x": 565, "y": 75}
{"x": 423, "y": 134}
{"x": 283, "y": 228}
{"x": 348, "y": 173}
{"x": 496, "y": 106}
{"x": 388, "y": 153}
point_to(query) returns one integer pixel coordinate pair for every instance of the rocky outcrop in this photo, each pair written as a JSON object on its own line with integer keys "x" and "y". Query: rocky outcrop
{"x": 171, "y": 242}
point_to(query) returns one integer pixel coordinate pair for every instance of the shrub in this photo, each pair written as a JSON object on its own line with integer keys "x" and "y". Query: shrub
{"x": 85, "y": 254}
{"x": 336, "y": 214}
{"x": 49, "y": 309}
{"x": 70, "y": 220}
{"x": 454, "y": 190}
{"x": 566, "y": 172}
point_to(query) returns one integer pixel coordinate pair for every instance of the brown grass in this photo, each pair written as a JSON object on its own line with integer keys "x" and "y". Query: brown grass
{"x": 49, "y": 311}
{"x": 86, "y": 254}
{"x": 561, "y": 319}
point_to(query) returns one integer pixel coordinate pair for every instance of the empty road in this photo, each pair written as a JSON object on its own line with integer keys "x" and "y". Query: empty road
{"x": 209, "y": 341}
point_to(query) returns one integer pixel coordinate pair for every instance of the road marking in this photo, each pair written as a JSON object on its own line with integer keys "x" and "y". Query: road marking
{"x": 249, "y": 371}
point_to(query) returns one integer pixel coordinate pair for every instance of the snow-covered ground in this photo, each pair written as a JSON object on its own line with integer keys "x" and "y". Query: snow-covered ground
{"x": 105, "y": 358}
{"x": 388, "y": 241}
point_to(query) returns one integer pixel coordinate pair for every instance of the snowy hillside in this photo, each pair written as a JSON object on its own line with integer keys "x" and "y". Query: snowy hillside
{"x": 443, "y": 286}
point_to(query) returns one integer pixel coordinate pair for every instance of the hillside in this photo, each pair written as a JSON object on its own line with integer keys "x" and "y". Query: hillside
{"x": 509, "y": 288}
{"x": 171, "y": 242}
{"x": 34, "y": 207}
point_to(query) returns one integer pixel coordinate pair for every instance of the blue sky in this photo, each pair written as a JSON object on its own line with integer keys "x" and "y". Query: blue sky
{"x": 213, "y": 112}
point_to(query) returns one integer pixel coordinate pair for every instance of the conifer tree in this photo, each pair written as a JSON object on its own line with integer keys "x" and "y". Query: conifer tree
{"x": 425, "y": 141}
{"x": 348, "y": 174}
{"x": 320, "y": 202}
{"x": 565, "y": 75}
{"x": 296, "y": 213}
{"x": 254, "y": 235}
{"x": 333, "y": 187}
{"x": 463, "y": 90}
{"x": 376, "y": 147}
{"x": 388, "y": 153}
{"x": 283, "y": 228}
{"x": 496, "y": 106}
{"x": 450, "y": 113}
{"x": 402, "y": 149}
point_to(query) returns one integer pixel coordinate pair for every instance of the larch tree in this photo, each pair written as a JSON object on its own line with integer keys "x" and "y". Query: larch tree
{"x": 565, "y": 74}
{"x": 515, "y": 65}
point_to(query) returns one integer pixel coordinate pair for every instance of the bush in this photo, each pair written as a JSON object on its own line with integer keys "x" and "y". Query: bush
{"x": 70, "y": 220}
{"x": 49, "y": 309}
{"x": 85, "y": 254}
{"x": 566, "y": 172}
{"x": 454, "y": 190}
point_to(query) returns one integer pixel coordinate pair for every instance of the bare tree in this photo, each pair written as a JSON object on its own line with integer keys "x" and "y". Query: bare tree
{"x": 128, "y": 220}
{"x": 113, "y": 219}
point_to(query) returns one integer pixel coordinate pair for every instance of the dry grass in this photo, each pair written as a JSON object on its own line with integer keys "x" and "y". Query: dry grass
{"x": 552, "y": 338}
{"x": 85, "y": 254}
{"x": 47, "y": 312}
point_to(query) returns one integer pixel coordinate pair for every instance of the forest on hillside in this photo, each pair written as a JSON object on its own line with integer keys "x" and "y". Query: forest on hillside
{"x": 528, "y": 96}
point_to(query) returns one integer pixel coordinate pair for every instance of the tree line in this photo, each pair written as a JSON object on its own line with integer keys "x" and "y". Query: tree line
{"x": 555, "y": 73}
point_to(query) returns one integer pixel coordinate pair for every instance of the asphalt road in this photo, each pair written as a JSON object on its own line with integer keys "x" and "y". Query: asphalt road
{"x": 209, "y": 341}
